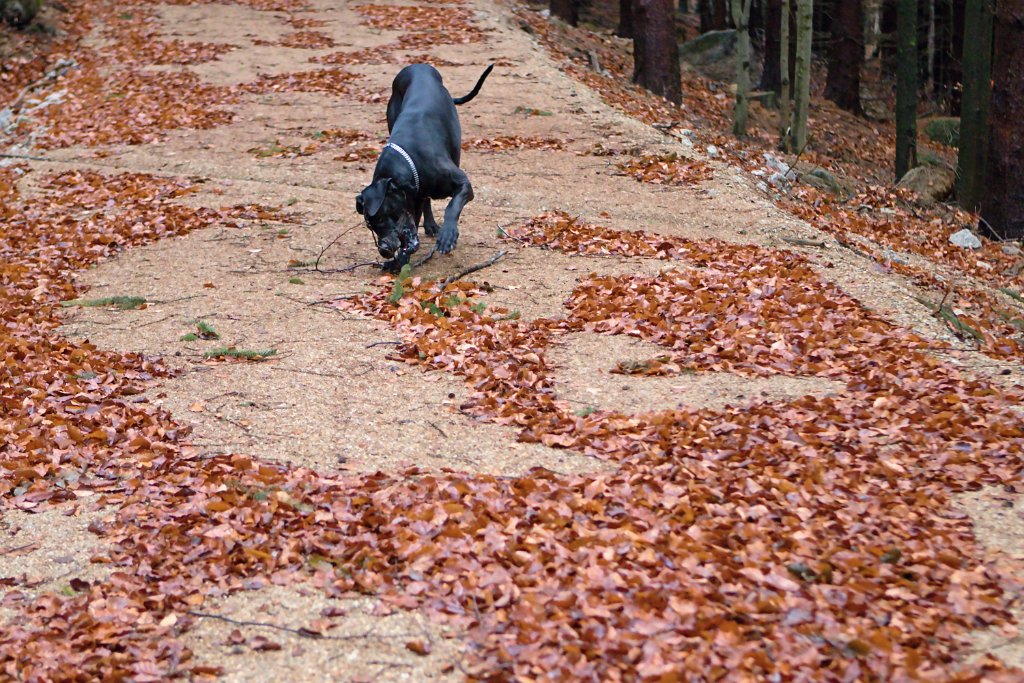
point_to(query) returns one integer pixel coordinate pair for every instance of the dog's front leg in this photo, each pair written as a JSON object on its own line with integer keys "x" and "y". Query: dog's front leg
{"x": 449, "y": 234}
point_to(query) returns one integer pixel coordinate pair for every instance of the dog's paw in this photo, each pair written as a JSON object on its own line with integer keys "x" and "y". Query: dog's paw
{"x": 431, "y": 229}
{"x": 393, "y": 266}
{"x": 447, "y": 239}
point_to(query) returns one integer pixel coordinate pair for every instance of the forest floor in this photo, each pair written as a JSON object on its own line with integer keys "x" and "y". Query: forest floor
{"x": 685, "y": 424}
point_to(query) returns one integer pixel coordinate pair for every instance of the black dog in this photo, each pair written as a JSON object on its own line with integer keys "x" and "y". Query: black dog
{"x": 420, "y": 162}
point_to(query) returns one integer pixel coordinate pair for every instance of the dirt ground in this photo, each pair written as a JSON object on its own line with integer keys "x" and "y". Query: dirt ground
{"x": 332, "y": 398}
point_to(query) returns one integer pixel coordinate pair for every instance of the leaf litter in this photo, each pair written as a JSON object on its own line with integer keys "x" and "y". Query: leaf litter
{"x": 804, "y": 539}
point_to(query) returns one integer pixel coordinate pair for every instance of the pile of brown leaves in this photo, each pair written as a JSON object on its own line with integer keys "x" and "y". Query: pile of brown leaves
{"x": 309, "y": 40}
{"x": 352, "y": 145}
{"x": 666, "y": 169}
{"x": 503, "y": 143}
{"x": 331, "y": 81}
{"x": 862, "y": 152}
{"x": 424, "y": 26}
{"x": 136, "y": 41}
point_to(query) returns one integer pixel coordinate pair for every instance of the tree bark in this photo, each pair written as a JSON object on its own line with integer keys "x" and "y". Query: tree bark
{"x": 906, "y": 87}
{"x": 655, "y": 51}
{"x": 771, "y": 77}
{"x": 1003, "y": 204}
{"x": 625, "y": 29}
{"x": 846, "y": 56}
{"x": 741, "y": 18}
{"x": 974, "y": 108}
{"x": 802, "y": 91}
{"x": 566, "y": 10}
{"x": 784, "y": 82}
{"x": 712, "y": 15}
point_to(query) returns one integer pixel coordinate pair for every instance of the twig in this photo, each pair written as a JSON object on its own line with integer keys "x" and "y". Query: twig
{"x": 511, "y": 236}
{"x": 474, "y": 268}
{"x": 304, "y": 633}
{"x": 316, "y": 266}
{"x": 349, "y": 269}
{"x": 426, "y": 258}
{"x": 300, "y": 371}
{"x": 439, "y": 430}
{"x": 854, "y": 249}
{"x": 802, "y": 242}
{"x": 382, "y": 343}
{"x": 24, "y": 156}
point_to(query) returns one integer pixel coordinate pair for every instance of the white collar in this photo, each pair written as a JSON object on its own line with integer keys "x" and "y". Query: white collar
{"x": 405, "y": 155}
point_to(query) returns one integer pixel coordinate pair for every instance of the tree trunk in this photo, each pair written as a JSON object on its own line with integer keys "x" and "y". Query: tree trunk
{"x": 802, "y": 94}
{"x": 712, "y": 15}
{"x": 741, "y": 18}
{"x": 655, "y": 51}
{"x": 1003, "y": 204}
{"x": 846, "y": 56}
{"x": 974, "y": 108}
{"x": 906, "y": 87}
{"x": 566, "y": 10}
{"x": 771, "y": 78}
{"x": 784, "y": 83}
{"x": 625, "y": 29}
{"x": 930, "y": 50}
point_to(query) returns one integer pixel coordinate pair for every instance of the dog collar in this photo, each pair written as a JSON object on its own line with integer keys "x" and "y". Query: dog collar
{"x": 405, "y": 155}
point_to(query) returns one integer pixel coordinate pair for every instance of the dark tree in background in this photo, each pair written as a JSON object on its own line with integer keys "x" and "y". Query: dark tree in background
{"x": 625, "y": 29}
{"x": 771, "y": 77}
{"x": 846, "y": 55}
{"x": 974, "y": 109}
{"x": 1003, "y": 204}
{"x": 906, "y": 87}
{"x": 566, "y": 10}
{"x": 655, "y": 51}
{"x": 713, "y": 15}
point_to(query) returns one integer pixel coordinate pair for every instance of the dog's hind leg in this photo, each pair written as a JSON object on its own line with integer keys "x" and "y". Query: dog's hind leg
{"x": 418, "y": 213}
{"x": 430, "y": 226}
{"x": 449, "y": 233}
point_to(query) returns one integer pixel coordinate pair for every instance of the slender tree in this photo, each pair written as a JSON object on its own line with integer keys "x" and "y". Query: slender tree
{"x": 784, "y": 83}
{"x": 625, "y": 29}
{"x": 566, "y": 10}
{"x": 741, "y": 18}
{"x": 802, "y": 92}
{"x": 655, "y": 51}
{"x": 906, "y": 87}
{"x": 846, "y": 55}
{"x": 974, "y": 104}
{"x": 713, "y": 15}
{"x": 771, "y": 78}
{"x": 1003, "y": 204}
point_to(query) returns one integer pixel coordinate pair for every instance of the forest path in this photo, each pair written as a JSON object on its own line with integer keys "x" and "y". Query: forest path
{"x": 337, "y": 397}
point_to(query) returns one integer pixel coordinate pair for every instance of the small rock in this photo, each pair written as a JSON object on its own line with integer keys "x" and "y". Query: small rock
{"x": 823, "y": 180}
{"x": 966, "y": 239}
{"x": 711, "y": 53}
{"x": 930, "y": 183}
{"x": 1012, "y": 250}
{"x": 712, "y": 151}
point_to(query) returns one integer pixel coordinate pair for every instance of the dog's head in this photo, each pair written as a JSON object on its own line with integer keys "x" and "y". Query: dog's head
{"x": 385, "y": 210}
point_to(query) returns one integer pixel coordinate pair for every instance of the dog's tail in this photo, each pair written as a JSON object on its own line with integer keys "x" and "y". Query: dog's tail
{"x": 476, "y": 88}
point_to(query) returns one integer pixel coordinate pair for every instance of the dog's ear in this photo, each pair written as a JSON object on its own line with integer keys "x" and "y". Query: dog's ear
{"x": 371, "y": 199}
